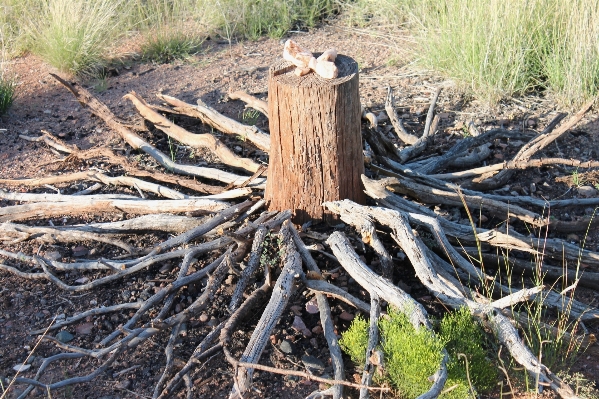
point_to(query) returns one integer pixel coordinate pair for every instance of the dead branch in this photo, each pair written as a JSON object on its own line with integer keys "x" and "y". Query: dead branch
{"x": 431, "y": 112}
{"x": 396, "y": 121}
{"x": 531, "y": 163}
{"x": 253, "y": 263}
{"x": 497, "y": 208}
{"x": 373, "y": 341}
{"x": 178, "y": 133}
{"x": 157, "y": 222}
{"x": 78, "y": 205}
{"x": 53, "y": 235}
{"x": 251, "y": 101}
{"x": 326, "y": 319}
{"x": 280, "y": 295}
{"x": 100, "y": 110}
{"x": 210, "y": 116}
{"x": 322, "y": 287}
{"x": 548, "y": 247}
{"x": 529, "y": 150}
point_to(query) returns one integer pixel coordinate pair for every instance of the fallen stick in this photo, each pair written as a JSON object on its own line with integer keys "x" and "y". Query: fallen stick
{"x": 52, "y": 235}
{"x": 373, "y": 341}
{"x": 280, "y": 295}
{"x": 530, "y": 149}
{"x": 251, "y": 101}
{"x": 396, "y": 121}
{"x": 100, "y": 177}
{"x": 100, "y": 110}
{"x": 482, "y": 202}
{"x": 80, "y": 205}
{"x": 548, "y": 247}
{"x": 210, "y": 116}
{"x": 531, "y": 163}
{"x": 326, "y": 320}
{"x": 178, "y": 133}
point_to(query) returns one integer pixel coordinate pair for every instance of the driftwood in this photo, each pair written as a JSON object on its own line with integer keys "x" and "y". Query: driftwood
{"x": 220, "y": 122}
{"x": 100, "y": 110}
{"x": 193, "y": 140}
{"x": 80, "y": 204}
{"x": 529, "y": 150}
{"x": 251, "y": 101}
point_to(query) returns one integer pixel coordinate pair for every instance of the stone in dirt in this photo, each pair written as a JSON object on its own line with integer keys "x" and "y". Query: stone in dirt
{"x": 346, "y": 316}
{"x": 312, "y": 363}
{"x": 299, "y": 325}
{"x": 21, "y": 367}
{"x": 64, "y": 336}
{"x": 286, "y": 347}
{"x": 84, "y": 329}
{"x": 80, "y": 251}
{"x": 312, "y": 306}
{"x": 587, "y": 191}
{"x": 54, "y": 255}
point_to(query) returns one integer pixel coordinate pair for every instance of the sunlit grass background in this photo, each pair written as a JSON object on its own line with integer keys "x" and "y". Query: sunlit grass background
{"x": 493, "y": 48}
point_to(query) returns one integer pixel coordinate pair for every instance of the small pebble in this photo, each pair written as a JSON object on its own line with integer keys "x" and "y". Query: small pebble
{"x": 313, "y": 363}
{"x": 346, "y": 316}
{"x": 312, "y": 306}
{"x": 286, "y": 347}
{"x": 64, "y": 336}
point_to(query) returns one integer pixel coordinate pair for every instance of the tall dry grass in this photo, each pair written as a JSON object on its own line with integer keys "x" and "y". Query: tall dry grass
{"x": 500, "y": 48}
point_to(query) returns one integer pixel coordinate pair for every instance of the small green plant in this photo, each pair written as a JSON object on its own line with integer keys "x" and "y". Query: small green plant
{"x": 583, "y": 388}
{"x": 464, "y": 336}
{"x": 169, "y": 45}
{"x": 354, "y": 341}
{"x": 412, "y": 356}
{"x": 576, "y": 179}
{"x": 7, "y": 92}
{"x": 272, "y": 251}
{"x": 171, "y": 148}
{"x": 250, "y": 116}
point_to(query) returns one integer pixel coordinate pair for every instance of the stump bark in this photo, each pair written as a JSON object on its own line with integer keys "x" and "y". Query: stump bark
{"x": 316, "y": 144}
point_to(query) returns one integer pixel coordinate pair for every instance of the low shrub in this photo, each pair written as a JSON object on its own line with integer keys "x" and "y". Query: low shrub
{"x": 413, "y": 356}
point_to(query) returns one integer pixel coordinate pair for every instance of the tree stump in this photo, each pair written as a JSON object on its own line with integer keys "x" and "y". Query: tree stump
{"x": 316, "y": 143}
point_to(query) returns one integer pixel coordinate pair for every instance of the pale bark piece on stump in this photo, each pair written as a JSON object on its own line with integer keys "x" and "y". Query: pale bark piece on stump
{"x": 316, "y": 144}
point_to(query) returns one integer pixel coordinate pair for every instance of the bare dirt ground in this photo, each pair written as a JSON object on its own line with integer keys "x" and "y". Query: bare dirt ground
{"x": 42, "y": 103}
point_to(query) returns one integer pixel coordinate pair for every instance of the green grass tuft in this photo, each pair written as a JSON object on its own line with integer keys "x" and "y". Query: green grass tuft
{"x": 7, "y": 93}
{"x": 73, "y": 35}
{"x": 502, "y": 48}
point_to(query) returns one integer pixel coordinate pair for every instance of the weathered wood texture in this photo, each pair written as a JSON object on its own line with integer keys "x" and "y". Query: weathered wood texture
{"x": 316, "y": 144}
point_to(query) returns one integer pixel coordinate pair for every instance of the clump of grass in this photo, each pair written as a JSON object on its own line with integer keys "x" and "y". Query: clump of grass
{"x": 7, "y": 82}
{"x": 7, "y": 92}
{"x": 169, "y": 45}
{"x": 412, "y": 356}
{"x": 502, "y": 48}
{"x": 73, "y": 35}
